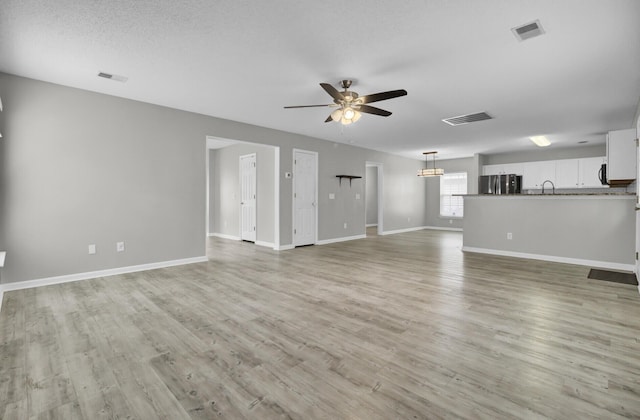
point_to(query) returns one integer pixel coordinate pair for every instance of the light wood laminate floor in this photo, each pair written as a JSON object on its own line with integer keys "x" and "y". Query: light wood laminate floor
{"x": 392, "y": 327}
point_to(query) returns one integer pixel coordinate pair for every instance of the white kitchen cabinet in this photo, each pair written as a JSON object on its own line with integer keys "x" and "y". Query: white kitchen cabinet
{"x": 535, "y": 173}
{"x": 621, "y": 156}
{"x": 588, "y": 172}
{"x": 567, "y": 172}
{"x": 492, "y": 169}
{"x": 506, "y": 168}
{"x": 513, "y": 168}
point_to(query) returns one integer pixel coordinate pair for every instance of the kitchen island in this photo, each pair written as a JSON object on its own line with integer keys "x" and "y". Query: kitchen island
{"x": 596, "y": 230}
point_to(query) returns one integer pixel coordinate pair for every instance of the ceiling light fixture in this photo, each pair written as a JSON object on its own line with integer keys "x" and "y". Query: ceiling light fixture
{"x": 430, "y": 171}
{"x": 346, "y": 115}
{"x": 540, "y": 141}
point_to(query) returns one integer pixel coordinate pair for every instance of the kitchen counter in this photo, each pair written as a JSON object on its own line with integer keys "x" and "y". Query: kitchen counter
{"x": 596, "y": 230}
{"x": 549, "y": 195}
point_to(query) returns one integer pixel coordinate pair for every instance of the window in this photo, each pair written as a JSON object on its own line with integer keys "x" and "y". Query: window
{"x": 454, "y": 183}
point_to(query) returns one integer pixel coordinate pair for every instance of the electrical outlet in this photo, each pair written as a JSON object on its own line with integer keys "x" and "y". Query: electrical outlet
{"x": 92, "y": 249}
{"x": 332, "y": 196}
{"x": 509, "y": 235}
{"x": 345, "y": 225}
{"x": 357, "y": 196}
{"x": 120, "y": 246}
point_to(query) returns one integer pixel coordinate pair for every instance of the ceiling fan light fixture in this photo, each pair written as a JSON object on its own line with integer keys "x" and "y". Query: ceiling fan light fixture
{"x": 349, "y": 116}
{"x": 348, "y": 113}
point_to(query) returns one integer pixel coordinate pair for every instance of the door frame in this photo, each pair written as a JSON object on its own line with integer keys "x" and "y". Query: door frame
{"x": 380, "y": 190}
{"x": 293, "y": 197}
{"x": 255, "y": 185}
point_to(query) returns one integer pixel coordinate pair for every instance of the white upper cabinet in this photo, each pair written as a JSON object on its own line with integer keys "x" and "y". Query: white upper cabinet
{"x": 507, "y": 168}
{"x": 492, "y": 169}
{"x": 535, "y": 173}
{"x": 589, "y": 170}
{"x": 621, "y": 155}
{"x": 567, "y": 171}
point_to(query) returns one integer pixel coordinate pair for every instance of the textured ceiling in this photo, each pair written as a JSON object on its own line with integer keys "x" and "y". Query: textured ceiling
{"x": 245, "y": 60}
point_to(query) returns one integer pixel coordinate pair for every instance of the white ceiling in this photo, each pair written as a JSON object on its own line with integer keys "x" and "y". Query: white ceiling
{"x": 245, "y": 60}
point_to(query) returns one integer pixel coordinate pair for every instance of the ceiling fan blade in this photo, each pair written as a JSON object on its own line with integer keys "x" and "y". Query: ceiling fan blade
{"x": 333, "y": 92}
{"x": 329, "y": 119}
{"x": 381, "y": 96}
{"x": 306, "y": 106}
{"x": 373, "y": 110}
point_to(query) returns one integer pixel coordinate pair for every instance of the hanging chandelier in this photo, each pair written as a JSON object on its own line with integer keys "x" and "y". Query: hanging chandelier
{"x": 430, "y": 171}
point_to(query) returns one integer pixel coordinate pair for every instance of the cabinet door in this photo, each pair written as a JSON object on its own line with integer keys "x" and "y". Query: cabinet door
{"x": 567, "y": 173}
{"x": 621, "y": 152}
{"x": 535, "y": 173}
{"x": 492, "y": 170}
{"x": 512, "y": 168}
{"x": 589, "y": 168}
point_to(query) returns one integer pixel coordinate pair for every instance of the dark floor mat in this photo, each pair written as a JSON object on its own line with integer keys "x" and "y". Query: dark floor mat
{"x": 614, "y": 276}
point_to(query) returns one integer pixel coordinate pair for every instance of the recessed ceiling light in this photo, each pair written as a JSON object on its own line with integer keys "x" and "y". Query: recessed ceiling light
{"x": 540, "y": 141}
{"x": 115, "y": 77}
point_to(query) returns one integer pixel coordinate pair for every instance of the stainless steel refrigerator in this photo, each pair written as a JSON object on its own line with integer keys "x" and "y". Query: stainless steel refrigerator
{"x": 500, "y": 184}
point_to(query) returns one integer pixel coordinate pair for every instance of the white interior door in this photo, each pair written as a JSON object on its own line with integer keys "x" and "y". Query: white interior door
{"x": 304, "y": 197}
{"x": 248, "y": 197}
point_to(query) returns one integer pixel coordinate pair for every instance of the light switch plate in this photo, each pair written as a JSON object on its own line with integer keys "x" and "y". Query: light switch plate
{"x": 357, "y": 196}
{"x": 120, "y": 246}
{"x": 92, "y": 249}
{"x": 332, "y": 196}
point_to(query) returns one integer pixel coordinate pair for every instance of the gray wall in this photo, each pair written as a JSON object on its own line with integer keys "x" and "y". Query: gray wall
{"x": 80, "y": 167}
{"x": 433, "y": 218}
{"x": 371, "y": 182}
{"x": 224, "y": 186}
{"x": 588, "y": 227}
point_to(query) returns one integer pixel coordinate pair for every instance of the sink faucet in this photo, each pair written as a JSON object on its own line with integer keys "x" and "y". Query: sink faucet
{"x": 552, "y": 186}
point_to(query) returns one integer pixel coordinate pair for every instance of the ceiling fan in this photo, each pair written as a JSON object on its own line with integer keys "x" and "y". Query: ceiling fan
{"x": 350, "y": 105}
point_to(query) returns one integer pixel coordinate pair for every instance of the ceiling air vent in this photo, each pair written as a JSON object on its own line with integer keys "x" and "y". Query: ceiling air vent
{"x": 528, "y": 30}
{"x": 469, "y": 118}
{"x": 115, "y": 77}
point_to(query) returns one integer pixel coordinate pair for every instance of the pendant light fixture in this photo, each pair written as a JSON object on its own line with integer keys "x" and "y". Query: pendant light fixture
{"x": 430, "y": 171}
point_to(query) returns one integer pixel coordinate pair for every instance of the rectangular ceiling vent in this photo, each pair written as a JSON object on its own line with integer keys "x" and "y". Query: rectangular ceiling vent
{"x": 469, "y": 118}
{"x": 528, "y": 30}
{"x": 115, "y": 77}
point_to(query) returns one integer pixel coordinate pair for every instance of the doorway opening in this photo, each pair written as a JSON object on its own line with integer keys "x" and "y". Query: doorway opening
{"x": 229, "y": 215}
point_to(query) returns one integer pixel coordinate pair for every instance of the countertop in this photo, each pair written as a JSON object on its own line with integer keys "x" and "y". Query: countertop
{"x": 556, "y": 195}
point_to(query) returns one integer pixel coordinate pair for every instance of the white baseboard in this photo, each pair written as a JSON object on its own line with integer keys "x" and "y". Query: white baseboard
{"x": 343, "y": 239}
{"x": 450, "y": 229}
{"x": 552, "y": 258}
{"x": 265, "y": 244}
{"x": 371, "y": 225}
{"x": 48, "y": 281}
{"x": 223, "y": 236}
{"x": 283, "y": 247}
{"x": 393, "y": 232}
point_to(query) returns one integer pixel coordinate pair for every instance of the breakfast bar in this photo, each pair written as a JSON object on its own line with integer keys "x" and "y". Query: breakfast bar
{"x": 597, "y": 230}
